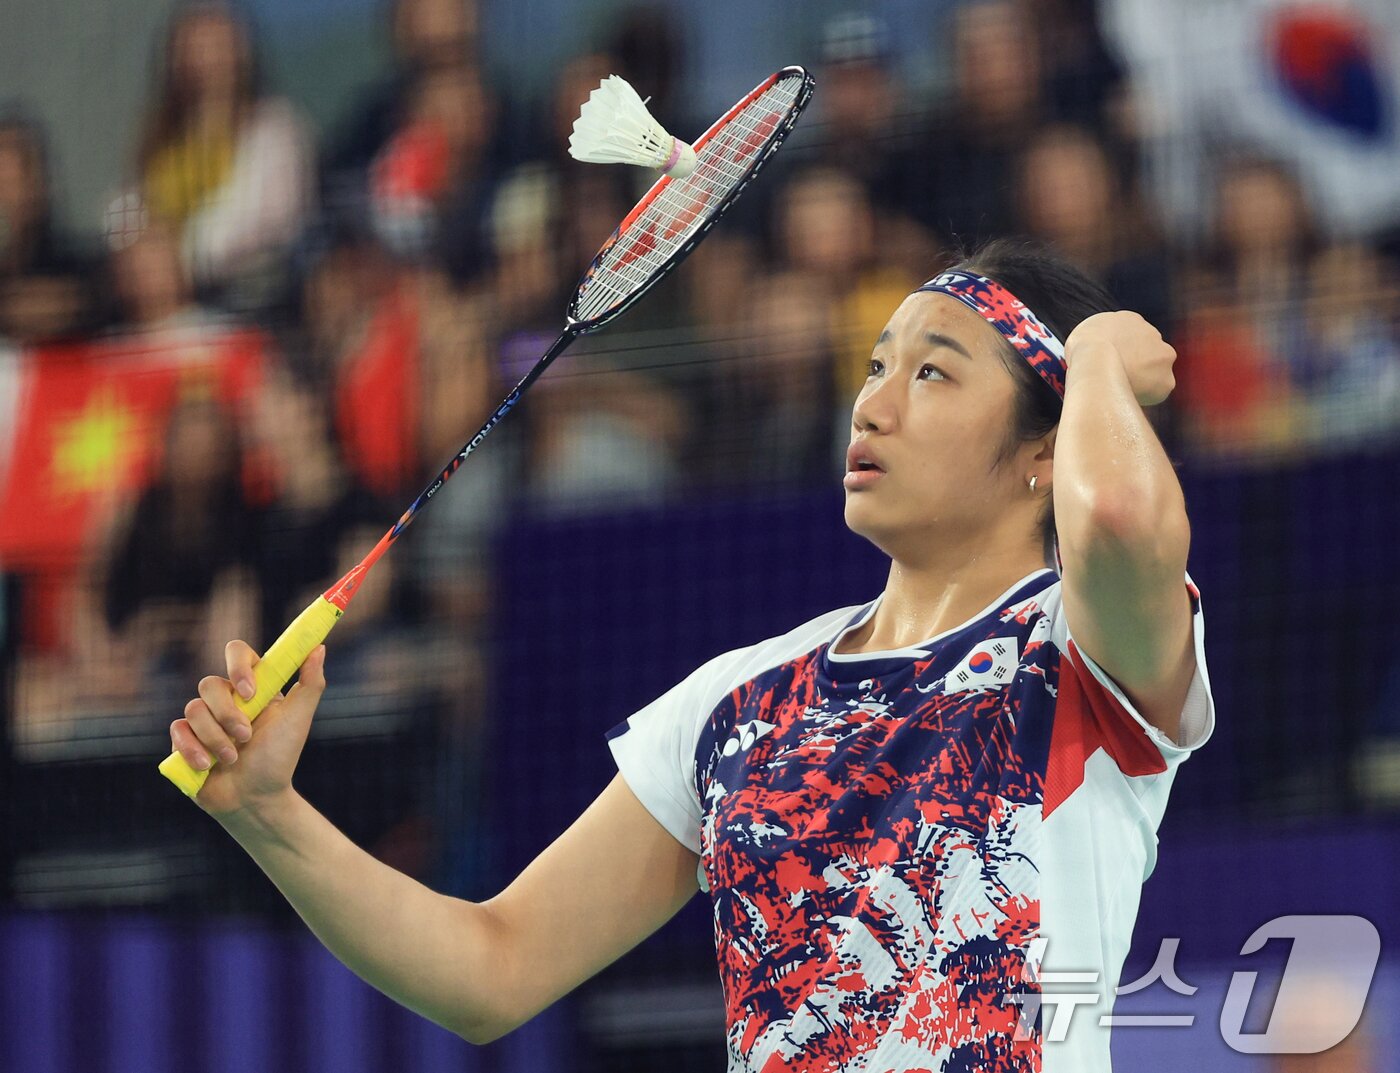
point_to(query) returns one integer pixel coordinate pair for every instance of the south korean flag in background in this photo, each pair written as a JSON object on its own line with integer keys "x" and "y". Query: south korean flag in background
{"x": 990, "y": 665}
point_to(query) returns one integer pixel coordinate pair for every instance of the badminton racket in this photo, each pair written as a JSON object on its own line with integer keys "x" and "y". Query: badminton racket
{"x": 656, "y": 236}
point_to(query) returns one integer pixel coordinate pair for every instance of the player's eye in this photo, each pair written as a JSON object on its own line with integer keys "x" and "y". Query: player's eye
{"x": 930, "y": 372}
{"x": 876, "y": 368}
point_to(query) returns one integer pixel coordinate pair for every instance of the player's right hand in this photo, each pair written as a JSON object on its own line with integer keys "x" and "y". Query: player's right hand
{"x": 252, "y": 763}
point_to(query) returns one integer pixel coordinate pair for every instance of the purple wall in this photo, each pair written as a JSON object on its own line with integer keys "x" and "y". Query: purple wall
{"x": 116, "y": 995}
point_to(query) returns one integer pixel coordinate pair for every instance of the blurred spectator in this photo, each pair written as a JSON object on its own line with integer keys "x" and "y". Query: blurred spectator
{"x": 648, "y": 46}
{"x": 576, "y": 78}
{"x": 425, "y": 35}
{"x": 719, "y": 275}
{"x": 343, "y": 273}
{"x": 858, "y": 105}
{"x": 958, "y": 175}
{"x": 527, "y": 288}
{"x": 361, "y": 340}
{"x": 431, "y": 185}
{"x": 1246, "y": 304}
{"x": 319, "y": 522}
{"x": 44, "y": 283}
{"x": 586, "y": 202}
{"x": 1231, "y": 396}
{"x": 827, "y": 231}
{"x": 1082, "y": 79}
{"x": 870, "y": 131}
{"x": 600, "y": 437}
{"x": 149, "y": 284}
{"x": 227, "y": 166}
{"x": 458, "y": 392}
{"x": 1264, "y": 234}
{"x": 1348, "y": 363}
{"x": 177, "y": 582}
{"x": 777, "y": 424}
{"x": 1071, "y": 196}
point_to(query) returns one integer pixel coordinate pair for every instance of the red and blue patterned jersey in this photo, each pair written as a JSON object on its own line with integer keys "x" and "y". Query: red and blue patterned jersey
{"x": 895, "y": 842}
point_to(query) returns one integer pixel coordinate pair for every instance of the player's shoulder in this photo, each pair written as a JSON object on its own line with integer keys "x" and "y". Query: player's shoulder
{"x": 731, "y": 669}
{"x": 1033, "y": 604}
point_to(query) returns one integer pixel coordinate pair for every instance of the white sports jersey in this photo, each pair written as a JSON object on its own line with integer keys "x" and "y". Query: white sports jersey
{"x": 894, "y": 842}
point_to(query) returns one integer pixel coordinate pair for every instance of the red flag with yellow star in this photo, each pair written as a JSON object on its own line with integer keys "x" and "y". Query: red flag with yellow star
{"x": 90, "y": 426}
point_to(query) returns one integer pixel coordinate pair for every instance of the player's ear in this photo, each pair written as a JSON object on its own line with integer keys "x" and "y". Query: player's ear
{"x": 1043, "y": 461}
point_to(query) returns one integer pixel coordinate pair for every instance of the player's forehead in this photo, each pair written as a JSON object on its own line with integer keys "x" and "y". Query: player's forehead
{"x": 927, "y": 314}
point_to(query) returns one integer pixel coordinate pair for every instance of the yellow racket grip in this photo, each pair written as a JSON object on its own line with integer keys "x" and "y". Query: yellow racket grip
{"x": 272, "y": 672}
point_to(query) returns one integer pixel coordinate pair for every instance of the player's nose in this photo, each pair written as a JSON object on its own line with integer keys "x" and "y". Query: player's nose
{"x": 876, "y": 408}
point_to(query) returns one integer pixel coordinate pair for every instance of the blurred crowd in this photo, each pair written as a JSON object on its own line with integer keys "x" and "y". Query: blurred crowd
{"x": 398, "y": 272}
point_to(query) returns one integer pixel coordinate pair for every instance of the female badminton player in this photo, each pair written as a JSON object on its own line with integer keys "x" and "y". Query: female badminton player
{"x": 909, "y": 816}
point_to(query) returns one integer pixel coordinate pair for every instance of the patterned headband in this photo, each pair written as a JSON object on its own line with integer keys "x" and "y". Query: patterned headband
{"x": 1006, "y": 313}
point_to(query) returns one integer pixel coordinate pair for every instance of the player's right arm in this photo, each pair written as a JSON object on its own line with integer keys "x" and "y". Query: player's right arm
{"x": 478, "y": 969}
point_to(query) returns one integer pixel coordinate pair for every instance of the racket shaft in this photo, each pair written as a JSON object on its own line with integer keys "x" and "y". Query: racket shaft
{"x": 272, "y": 672}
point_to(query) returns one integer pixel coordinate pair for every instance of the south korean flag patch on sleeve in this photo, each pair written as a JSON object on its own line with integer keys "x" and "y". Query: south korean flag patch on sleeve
{"x": 990, "y": 665}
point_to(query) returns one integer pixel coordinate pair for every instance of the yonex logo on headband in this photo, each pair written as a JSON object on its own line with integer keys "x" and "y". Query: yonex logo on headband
{"x": 1009, "y": 315}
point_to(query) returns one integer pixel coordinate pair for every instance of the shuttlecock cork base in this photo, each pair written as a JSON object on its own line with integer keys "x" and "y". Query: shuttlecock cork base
{"x": 614, "y": 127}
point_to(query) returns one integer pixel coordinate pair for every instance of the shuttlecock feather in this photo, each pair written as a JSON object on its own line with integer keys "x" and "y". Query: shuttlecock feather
{"x": 615, "y": 127}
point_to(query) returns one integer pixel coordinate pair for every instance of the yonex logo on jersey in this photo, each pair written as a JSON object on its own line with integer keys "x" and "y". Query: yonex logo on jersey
{"x": 745, "y": 734}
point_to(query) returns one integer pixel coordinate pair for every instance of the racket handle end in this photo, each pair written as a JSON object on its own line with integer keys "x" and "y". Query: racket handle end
{"x": 177, "y": 769}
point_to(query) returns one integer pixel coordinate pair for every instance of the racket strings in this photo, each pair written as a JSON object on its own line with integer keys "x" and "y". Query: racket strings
{"x": 716, "y": 350}
{"x": 723, "y": 162}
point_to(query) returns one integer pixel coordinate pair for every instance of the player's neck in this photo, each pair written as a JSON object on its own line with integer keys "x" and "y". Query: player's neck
{"x": 928, "y": 599}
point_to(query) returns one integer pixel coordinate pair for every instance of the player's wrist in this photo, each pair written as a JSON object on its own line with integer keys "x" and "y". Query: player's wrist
{"x": 1090, "y": 351}
{"x": 265, "y": 817}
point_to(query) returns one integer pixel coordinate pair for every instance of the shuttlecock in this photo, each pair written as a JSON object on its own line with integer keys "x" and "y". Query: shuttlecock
{"x": 615, "y": 127}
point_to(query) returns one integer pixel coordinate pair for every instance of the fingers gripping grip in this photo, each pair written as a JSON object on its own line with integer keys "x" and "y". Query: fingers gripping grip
{"x": 272, "y": 672}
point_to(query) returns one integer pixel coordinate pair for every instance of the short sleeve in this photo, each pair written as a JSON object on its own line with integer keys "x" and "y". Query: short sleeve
{"x": 655, "y": 749}
{"x": 1198, "y": 710}
{"x": 655, "y": 753}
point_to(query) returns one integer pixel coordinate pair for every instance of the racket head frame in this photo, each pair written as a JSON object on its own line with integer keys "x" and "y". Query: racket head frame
{"x": 581, "y": 325}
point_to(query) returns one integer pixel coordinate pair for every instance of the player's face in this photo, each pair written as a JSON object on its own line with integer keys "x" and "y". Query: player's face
{"x": 927, "y": 429}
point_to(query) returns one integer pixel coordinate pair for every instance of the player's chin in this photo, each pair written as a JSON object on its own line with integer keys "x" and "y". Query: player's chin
{"x": 866, "y": 515}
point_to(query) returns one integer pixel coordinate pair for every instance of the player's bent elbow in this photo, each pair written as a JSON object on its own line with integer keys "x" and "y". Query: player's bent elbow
{"x": 479, "y": 1034}
{"x": 497, "y": 1004}
{"x": 481, "y": 1026}
{"x": 1128, "y": 525}
{"x": 483, "y": 1031}
{"x": 489, "y": 1022}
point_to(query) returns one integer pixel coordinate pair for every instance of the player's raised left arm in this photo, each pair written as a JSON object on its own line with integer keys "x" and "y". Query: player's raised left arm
{"x": 1121, "y": 516}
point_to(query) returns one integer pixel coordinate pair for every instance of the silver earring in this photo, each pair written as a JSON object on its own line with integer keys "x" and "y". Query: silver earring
{"x": 1032, "y": 485}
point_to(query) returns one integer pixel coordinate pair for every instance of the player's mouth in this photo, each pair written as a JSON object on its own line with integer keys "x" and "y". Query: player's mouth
{"x": 863, "y": 468}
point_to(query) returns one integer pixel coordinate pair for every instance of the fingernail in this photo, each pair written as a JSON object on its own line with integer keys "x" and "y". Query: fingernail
{"x": 201, "y": 762}
{"x": 246, "y": 688}
{"x": 242, "y": 733}
{"x": 229, "y": 755}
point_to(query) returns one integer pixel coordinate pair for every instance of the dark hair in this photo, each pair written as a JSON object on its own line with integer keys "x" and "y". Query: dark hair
{"x": 1061, "y": 295}
{"x": 25, "y": 131}
{"x": 1307, "y": 243}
